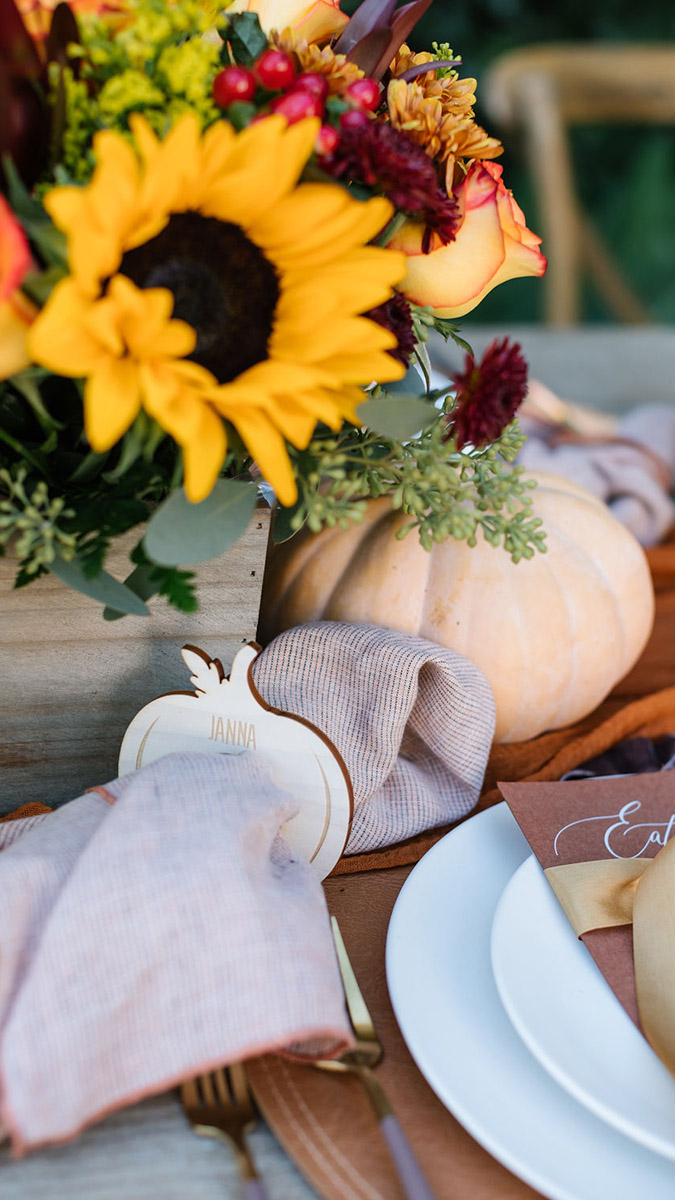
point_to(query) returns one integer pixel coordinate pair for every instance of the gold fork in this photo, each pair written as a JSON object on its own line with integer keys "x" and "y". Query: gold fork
{"x": 359, "y": 1061}
{"x": 219, "y": 1105}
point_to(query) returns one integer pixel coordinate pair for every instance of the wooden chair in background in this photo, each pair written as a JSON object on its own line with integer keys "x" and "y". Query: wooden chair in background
{"x": 541, "y": 92}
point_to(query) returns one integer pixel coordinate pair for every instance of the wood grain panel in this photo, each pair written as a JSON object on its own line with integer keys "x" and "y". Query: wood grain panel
{"x": 71, "y": 682}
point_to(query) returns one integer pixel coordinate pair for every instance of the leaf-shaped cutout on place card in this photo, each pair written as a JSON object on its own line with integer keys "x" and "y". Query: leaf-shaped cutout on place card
{"x": 227, "y": 715}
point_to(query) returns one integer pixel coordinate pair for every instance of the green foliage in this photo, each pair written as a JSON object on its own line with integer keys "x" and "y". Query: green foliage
{"x": 445, "y": 492}
{"x": 102, "y": 587}
{"x": 159, "y": 64}
{"x": 183, "y": 533}
{"x": 62, "y": 504}
{"x": 245, "y": 38}
{"x": 396, "y": 416}
{"x": 147, "y": 580}
{"x": 30, "y": 523}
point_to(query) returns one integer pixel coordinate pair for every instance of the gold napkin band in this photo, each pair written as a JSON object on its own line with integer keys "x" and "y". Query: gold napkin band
{"x": 618, "y": 891}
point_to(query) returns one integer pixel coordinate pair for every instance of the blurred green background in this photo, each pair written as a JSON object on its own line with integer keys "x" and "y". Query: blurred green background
{"x": 625, "y": 176}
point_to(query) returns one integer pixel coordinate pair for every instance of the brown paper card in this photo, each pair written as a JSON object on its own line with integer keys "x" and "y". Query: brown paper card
{"x": 598, "y": 818}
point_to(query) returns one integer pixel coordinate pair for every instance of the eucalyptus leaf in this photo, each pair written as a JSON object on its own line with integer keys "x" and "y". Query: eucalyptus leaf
{"x": 398, "y": 417}
{"x": 181, "y": 533}
{"x": 103, "y": 587}
{"x": 143, "y": 582}
{"x": 411, "y": 384}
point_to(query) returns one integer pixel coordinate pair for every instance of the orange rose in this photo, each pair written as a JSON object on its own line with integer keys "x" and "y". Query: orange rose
{"x": 493, "y": 244}
{"x": 16, "y": 311}
{"x": 14, "y": 251}
{"x": 314, "y": 20}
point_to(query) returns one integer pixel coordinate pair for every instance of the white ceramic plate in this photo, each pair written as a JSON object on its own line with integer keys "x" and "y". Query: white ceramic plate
{"x": 570, "y": 1019}
{"x": 447, "y": 1005}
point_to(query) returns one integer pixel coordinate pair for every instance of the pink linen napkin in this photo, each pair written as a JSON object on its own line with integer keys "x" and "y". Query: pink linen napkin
{"x": 159, "y": 926}
{"x": 633, "y": 471}
{"x": 152, "y": 930}
{"x": 412, "y": 720}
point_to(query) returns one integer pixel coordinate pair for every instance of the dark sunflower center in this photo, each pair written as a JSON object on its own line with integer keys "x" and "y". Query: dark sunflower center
{"x": 222, "y": 285}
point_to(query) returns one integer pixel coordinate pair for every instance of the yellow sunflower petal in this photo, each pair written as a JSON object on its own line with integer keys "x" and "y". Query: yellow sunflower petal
{"x": 295, "y": 422}
{"x": 170, "y": 183}
{"x": 146, "y": 139}
{"x": 114, "y": 185}
{"x": 102, "y": 321}
{"x": 345, "y": 334}
{"x": 297, "y": 419}
{"x": 275, "y": 376}
{"x": 316, "y": 224}
{"x": 263, "y": 166}
{"x": 183, "y": 413}
{"x": 112, "y": 401}
{"x": 66, "y": 206}
{"x": 203, "y": 456}
{"x": 217, "y": 146}
{"x": 359, "y": 280}
{"x": 356, "y": 368}
{"x": 268, "y": 449}
{"x": 58, "y": 339}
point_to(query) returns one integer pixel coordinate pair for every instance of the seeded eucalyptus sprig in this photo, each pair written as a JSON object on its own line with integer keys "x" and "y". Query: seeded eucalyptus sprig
{"x": 445, "y": 492}
{"x": 30, "y": 522}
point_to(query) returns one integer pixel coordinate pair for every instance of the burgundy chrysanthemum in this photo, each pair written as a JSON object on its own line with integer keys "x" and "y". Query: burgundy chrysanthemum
{"x": 387, "y": 159}
{"x": 395, "y": 315}
{"x": 488, "y": 394}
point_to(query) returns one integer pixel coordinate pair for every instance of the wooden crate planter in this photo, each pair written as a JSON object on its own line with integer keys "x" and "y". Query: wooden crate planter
{"x": 72, "y": 682}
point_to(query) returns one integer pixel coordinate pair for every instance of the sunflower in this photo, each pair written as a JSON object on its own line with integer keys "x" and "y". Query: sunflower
{"x": 207, "y": 283}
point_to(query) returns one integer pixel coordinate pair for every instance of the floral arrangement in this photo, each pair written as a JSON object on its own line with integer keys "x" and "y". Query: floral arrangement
{"x": 225, "y": 237}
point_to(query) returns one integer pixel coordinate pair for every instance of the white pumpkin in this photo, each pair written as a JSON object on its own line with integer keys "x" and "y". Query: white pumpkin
{"x": 553, "y": 634}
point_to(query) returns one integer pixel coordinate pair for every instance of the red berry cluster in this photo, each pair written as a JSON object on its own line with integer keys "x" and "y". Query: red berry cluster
{"x": 299, "y": 95}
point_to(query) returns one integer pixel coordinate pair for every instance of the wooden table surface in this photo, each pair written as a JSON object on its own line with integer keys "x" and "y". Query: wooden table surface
{"x": 148, "y": 1151}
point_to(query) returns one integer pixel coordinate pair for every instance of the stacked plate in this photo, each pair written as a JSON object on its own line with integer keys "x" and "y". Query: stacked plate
{"x": 514, "y": 1028}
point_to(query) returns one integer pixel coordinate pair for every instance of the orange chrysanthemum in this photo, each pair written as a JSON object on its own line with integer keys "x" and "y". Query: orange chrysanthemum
{"x": 437, "y": 111}
{"x": 336, "y": 68}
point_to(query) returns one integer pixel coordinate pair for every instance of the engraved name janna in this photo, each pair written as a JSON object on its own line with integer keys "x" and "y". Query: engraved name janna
{"x": 621, "y": 834}
{"x": 232, "y": 733}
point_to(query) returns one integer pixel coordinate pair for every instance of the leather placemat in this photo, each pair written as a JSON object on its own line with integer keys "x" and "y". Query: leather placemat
{"x": 325, "y": 1122}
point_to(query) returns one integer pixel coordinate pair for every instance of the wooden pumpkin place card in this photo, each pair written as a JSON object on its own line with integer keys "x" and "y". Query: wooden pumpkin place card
{"x": 228, "y": 716}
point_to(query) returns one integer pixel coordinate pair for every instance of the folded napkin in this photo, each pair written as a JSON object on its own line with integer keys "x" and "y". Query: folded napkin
{"x": 151, "y": 930}
{"x": 413, "y": 721}
{"x": 632, "y": 469}
{"x": 635, "y": 756}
